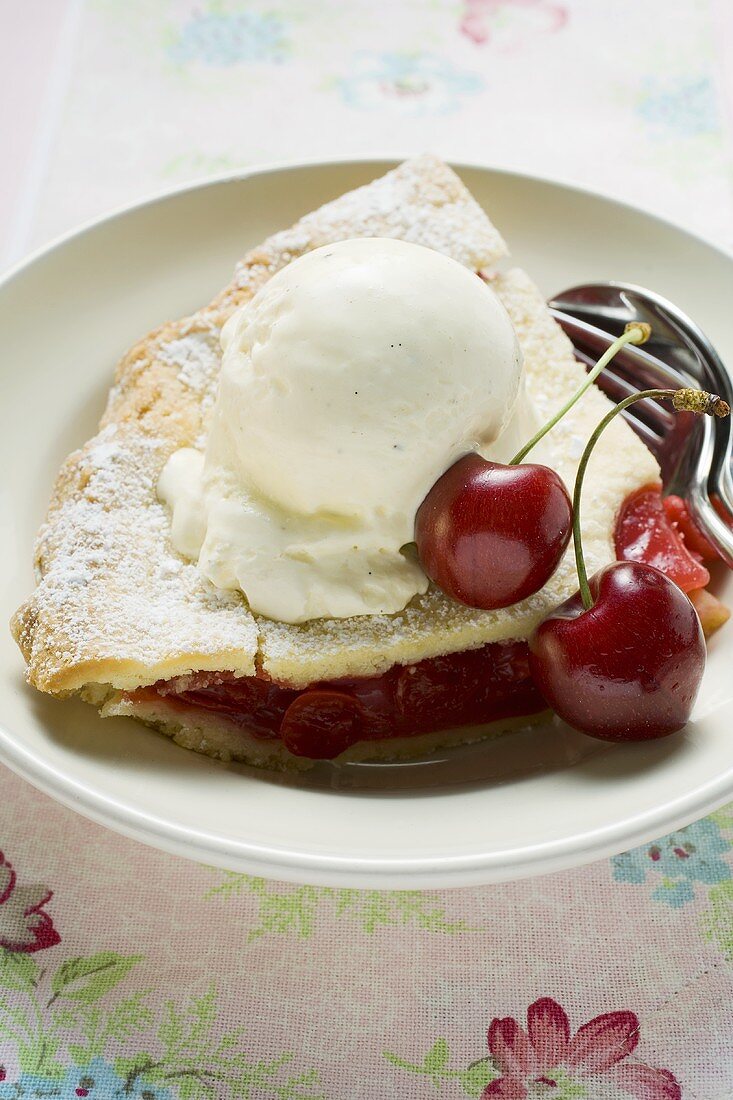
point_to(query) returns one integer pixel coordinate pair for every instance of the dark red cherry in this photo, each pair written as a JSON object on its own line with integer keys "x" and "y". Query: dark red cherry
{"x": 490, "y": 535}
{"x": 321, "y": 723}
{"x": 627, "y": 669}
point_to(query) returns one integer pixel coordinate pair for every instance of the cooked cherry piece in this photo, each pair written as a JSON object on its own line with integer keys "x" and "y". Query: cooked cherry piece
{"x": 489, "y": 535}
{"x": 321, "y": 724}
{"x": 645, "y": 532}
{"x": 629, "y": 667}
{"x": 696, "y": 541}
{"x": 469, "y": 688}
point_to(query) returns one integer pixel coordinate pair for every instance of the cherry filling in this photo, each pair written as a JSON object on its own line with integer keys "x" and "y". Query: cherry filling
{"x": 460, "y": 689}
{"x": 324, "y": 719}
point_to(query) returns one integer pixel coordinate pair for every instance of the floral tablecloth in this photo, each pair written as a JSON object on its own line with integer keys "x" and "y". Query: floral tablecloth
{"x": 128, "y": 973}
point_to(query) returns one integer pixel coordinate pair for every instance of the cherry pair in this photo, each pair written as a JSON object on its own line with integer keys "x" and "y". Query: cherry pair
{"x": 623, "y": 658}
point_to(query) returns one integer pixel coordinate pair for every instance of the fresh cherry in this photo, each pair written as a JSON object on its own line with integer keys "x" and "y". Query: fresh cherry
{"x": 629, "y": 667}
{"x": 489, "y": 535}
{"x": 623, "y": 659}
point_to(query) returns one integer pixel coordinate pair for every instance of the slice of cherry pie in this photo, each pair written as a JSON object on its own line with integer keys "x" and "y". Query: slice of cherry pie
{"x": 123, "y": 619}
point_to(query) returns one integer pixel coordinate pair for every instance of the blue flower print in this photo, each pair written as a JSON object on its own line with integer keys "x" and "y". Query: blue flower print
{"x": 418, "y": 83}
{"x": 679, "y": 108}
{"x": 221, "y": 40}
{"x": 96, "y": 1081}
{"x": 689, "y": 856}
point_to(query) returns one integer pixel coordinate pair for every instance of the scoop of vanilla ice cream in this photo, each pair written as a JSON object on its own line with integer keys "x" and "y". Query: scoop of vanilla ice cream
{"x": 354, "y": 378}
{"x": 358, "y": 373}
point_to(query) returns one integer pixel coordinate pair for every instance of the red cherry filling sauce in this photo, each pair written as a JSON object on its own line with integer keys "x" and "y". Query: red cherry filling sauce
{"x": 460, "y": 689}
{"x": 322, "y": 720}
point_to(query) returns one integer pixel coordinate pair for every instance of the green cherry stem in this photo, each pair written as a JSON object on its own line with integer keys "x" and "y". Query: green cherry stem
{"x": 634, "y": 333}
{"x": 683, "y": 400}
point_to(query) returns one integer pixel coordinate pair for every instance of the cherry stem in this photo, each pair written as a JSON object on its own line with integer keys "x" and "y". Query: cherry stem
{"x": 637, "y": 332}
{"x": 683, "y": 400}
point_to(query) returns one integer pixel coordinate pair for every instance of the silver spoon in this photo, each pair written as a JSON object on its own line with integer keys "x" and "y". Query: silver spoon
{"x": 694, "y": 453}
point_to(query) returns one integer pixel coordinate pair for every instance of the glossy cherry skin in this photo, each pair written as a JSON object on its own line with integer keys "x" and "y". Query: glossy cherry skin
{"x": 489, "y": 535}
{"x": 629, "y": 668}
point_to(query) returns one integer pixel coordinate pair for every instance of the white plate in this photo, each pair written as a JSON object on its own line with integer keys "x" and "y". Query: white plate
{"x": 537, "y": 801}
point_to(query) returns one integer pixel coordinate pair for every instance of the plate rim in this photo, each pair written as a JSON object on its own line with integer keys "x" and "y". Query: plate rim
{"x": 428, "y": 872}
{"x": 422, "y": 872}
{"x": 159, "y": 195}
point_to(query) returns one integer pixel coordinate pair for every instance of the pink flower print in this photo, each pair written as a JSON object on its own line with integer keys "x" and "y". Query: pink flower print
{"x": 547, "y": 1052}
{"x": 482, "y": 18}
{"x": 24, "y": 926}
{"x": 645, "y": 1082}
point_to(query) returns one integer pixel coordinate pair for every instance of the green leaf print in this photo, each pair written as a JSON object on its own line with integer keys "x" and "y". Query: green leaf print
{"x": 24, "y": 1024}
{"x": 295, "y": 909}
{"x": 14, "y": 1020}
{"x": 53, "y": 1022}
{"x": 381, "y": 908}
{"x": 286, "y": 909}
{"x": 18, "y": 972}
{"x": 98, "y": 1026}
{"x": 436, "y": 1066}
{"x": 437, "y": 1057}
{"x": 718, "y": 920}
{"x": 129, "y": 1017}
{"x": 37, "y": 1055}
{"x": 723, "y": 818}
{"x": 132, "y": 1066}
{"x": 188, "y": 1029}
{"x": 89, "y": 979}
{"x": 202, "y": 1066}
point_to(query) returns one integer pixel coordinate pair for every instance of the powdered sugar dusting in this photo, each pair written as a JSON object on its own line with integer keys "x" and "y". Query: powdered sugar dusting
{"x": 197, "y": 358}
{"x": 197, "y": 355}
{"x": 113, "y": 587}
{"x": 422, "y": 201}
